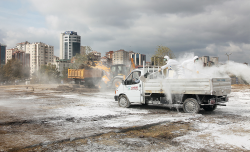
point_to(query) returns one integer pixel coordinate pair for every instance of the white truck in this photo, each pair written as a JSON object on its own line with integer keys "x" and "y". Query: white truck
{"x": 189, "y": 94}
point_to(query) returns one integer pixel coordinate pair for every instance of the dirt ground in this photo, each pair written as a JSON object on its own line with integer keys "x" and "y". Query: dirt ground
{"x": 72, "y": 118}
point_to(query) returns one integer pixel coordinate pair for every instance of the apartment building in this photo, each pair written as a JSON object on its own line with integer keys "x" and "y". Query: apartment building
{"x": 9, "y": 53}
{"x": 62, "y": 64}
{"x": 55, "y": 58}
{"x": 22, "y": 45}
{"x": 70, "y": 44}
{"x": 109, "y": 54}
{"x": 97, "y": 55}
{"x": 209, "y": 61}
{"x": 109, "y": 57}
{"x": 120, "y": 57}
{"x": 23, "y": 57}
{"x": 215, "y": 60}
{"x": 40, "y": 54}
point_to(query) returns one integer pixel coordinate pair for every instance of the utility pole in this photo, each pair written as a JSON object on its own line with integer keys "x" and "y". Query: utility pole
{"x": 228, "y": 56}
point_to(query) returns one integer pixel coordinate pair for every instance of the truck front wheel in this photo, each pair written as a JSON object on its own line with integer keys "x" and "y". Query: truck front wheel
{"x": 210, "y": 108}
{"x": 123, "y": 101}
{"x": 191, "y": 105}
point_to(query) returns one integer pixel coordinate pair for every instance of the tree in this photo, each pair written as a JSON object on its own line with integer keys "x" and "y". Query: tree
{"x": 14, "y": 70}
{"x": 81, "y": 61}
{"x": 65, "y": 75}
{"x": 88, "y": 49}
{"x": 48, "y": 73}
{"x": 1, "y": 74}
{"x": 161, "y": 51}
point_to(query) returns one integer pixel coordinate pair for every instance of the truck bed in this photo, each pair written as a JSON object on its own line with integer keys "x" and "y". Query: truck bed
{"x": 205, "y": 86}
{"x": 84, "y": 73}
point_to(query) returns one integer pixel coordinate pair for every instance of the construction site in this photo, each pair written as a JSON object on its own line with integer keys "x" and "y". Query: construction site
{"x": 124, "y": 76}
{"x": 105, "y": 109}
{"x": 66, "y": 118}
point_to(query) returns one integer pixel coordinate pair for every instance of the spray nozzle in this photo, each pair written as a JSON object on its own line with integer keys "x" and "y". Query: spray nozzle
{"x": 146, "y": 74}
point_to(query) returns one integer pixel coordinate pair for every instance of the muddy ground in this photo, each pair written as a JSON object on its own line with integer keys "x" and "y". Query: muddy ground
{"x": 72, "y": 118}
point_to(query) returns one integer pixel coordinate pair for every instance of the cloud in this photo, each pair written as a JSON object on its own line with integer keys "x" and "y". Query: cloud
{"x": 232, "y": 48}
{"x": 52, "y": 21}
{"x": 211, "y": 48}
{"x": 2, "y": 36}
{"x": 32, "y": 35}
{"x": 203, "y": 27}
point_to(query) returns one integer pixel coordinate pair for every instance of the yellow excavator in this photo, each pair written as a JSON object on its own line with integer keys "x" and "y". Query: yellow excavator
{"x": 114, "y": 75}
{"x": 101, "y": 75}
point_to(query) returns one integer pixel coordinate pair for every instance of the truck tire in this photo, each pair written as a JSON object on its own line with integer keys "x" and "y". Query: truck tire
{"x": 210, "y": 108}
{"x": 123, "y": 101}
{"x": 116, "y": 83}
{"x": 191, "y": 105}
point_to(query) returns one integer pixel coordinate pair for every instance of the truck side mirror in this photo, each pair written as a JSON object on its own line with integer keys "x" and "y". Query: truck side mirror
{"x": 123, "y": 82}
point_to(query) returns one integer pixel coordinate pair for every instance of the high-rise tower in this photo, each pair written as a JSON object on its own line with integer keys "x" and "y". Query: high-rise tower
{"x": 70, "y": 44}
{"x": 2, "y": 54}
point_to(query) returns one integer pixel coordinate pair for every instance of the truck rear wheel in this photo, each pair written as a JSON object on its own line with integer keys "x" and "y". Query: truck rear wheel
{"x": 123, "y": 101}
{"x": 191, "y": 105}
{"x": 210, "y": 108}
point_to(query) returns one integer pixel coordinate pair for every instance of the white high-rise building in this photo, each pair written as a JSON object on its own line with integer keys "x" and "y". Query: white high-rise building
{"x": 70, "y": 44}
{"x": 40, "y": 54}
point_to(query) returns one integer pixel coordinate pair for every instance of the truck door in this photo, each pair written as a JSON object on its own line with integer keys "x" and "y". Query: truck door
{"x": 133, "y": 87}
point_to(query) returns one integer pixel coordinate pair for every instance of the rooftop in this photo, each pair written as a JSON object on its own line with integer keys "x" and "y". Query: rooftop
{"x": 70, "y": 33}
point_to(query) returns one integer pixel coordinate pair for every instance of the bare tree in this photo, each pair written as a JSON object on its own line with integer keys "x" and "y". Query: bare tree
{"x": 163, "y": 51}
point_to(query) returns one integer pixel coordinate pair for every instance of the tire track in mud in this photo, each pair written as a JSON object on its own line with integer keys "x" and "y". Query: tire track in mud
{"x": 47, "y": 120}
{"x": 115, "y": 130}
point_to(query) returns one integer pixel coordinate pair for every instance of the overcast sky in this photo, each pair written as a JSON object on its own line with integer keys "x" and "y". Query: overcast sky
{"x": 205, "y": 27}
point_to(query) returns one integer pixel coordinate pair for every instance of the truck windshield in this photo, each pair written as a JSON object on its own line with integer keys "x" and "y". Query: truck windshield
{"x": 119, "y": 69}
{"x": 133, "y": 78}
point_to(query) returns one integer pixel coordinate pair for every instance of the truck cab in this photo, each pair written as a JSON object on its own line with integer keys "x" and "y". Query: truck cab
{"x": 131, "y": 88}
